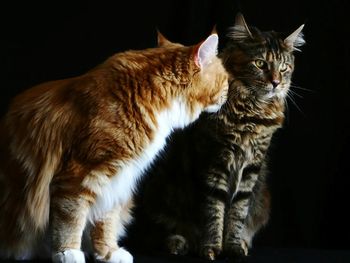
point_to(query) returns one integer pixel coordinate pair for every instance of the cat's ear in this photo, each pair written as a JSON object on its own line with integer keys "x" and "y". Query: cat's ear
{"x": 296, "y": 39}
{"x": 214, "y": 31}
{"x": 162, "y": 41}
{"x": 240, "y": 31}
{"x": 206, "y": 51}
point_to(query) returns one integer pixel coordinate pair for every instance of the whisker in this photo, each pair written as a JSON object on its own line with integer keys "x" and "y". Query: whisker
{"x": 296, "y": 94}
{"x": 289, "y": 96}
{"x": 287, "y": 110}
{"x": 304, "y": 89}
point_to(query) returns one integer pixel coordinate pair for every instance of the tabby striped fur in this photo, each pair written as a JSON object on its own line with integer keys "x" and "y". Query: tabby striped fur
{"x": 213, "y": 198}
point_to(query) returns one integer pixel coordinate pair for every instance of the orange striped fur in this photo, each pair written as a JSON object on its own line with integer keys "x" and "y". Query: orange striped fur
{"x": 72, "y": 150}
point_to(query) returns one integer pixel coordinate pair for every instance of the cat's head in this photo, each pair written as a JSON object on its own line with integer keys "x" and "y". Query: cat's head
{"x": 208, "y": 78}
{"x": 261, "y": 63}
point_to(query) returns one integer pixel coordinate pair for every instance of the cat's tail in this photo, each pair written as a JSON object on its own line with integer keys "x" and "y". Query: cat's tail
{"x": 24, "y": 213}
{"x": 28, "y": 163}
{"x": 38, "y": 192}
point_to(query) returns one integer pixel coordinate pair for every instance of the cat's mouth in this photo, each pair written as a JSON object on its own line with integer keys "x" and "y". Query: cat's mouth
{"x": 216, "y": 107}
{"x": 213, "y": 108}
{"x": 270, "y": 94}
{"x": 220, "y": 101}
{"x": 269, "y": 91}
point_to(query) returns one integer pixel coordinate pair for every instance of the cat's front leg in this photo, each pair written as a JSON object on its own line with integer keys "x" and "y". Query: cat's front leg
{"x": 214, "y": 205}
{"x": 235, "y": 245}
{"x": 105, "y": 233}
{"x": 259, "y": 209}
{"x": 68, "y": 219}
{"x": 211, "y": 243}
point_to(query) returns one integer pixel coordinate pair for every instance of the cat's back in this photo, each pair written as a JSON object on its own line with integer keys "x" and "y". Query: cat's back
{"x": 57, "y": 107}
{"x": 157, "y": 62}
{"x": 45, "y": 104}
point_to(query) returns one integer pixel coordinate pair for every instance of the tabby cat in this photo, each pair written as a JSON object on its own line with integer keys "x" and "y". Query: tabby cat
{"x": 72, "y": 150}
{"x": 207, "y": 193}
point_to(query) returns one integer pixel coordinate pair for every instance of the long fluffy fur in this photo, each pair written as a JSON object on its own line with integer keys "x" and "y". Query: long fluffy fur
{"x": 67, "y": 147}
{"x": 207, "y": 193}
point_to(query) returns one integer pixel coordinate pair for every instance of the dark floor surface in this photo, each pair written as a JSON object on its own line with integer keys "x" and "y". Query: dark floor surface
{"x": 261, "y": 255}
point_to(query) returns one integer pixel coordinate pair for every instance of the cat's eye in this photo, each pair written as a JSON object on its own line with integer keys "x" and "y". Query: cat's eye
{"x": 260, "y": 63}
{"x": 283, "y": 67}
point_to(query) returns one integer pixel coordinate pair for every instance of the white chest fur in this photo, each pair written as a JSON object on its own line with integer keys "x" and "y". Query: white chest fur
{"x": 119, "y": 189}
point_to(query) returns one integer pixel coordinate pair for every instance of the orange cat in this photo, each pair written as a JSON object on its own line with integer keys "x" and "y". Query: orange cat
{"x": 72, "y": 150}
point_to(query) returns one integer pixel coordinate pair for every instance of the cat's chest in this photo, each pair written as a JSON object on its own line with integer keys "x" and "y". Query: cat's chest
{"x": 248, "y": 147}
{"x": 119, "y": 188}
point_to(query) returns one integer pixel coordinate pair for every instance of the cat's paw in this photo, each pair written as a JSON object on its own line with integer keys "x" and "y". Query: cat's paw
{"x": 69, "y": 256}
{"x": 177, "y": 245}
{"x": 237, "y": 251}
{"x": 120, "y": 256}
{"x": 210, "y": 251}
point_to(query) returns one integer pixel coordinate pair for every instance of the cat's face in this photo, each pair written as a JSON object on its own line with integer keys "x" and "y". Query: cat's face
{"x": 262, "y": 62}
{"x": 265, "y": 68}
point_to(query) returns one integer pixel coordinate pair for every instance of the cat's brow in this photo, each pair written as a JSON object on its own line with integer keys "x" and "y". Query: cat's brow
{"x": 269, "y": 56}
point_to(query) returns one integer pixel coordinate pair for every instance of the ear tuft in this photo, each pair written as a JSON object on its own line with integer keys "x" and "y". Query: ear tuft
{"x": 162, "y": 40}
{"x": 207, "y": 50}
{"x": 240, "y": 31}
{"x": 296, "y": 39}
{"x": 214, "y": 30}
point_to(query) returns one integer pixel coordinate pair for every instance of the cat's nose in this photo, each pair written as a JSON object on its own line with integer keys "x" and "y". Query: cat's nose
{"x": 275, "y": 83}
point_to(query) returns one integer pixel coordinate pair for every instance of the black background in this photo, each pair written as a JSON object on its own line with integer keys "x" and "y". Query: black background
{"x": 309, "y": 159}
